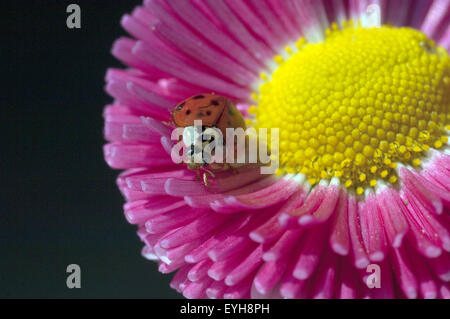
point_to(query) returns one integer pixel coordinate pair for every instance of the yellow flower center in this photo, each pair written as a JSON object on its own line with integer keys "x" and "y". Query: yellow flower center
{"x": 356, "y": 104}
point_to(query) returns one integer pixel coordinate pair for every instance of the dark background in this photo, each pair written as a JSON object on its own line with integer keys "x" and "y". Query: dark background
{"x": 59, "y": 202}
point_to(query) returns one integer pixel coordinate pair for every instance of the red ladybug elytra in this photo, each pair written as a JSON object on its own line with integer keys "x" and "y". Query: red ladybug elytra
{"x": 213, "y": 110}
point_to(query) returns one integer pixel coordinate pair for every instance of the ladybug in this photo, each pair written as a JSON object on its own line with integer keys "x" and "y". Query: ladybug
{"x": 216, "y": 113}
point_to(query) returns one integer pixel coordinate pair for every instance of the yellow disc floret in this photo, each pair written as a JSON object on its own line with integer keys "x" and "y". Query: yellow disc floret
{"x": 356, "y": 104}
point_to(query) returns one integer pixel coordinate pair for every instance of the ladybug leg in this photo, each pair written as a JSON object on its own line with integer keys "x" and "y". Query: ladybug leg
{"x": 234, "y": 170}
{"x": 234, "y": 167}
{"x": 230, "y": 167}
{"x": 168, "y": 123}
{"x": 205, "y": 179}
{"x": 207, "y": 172}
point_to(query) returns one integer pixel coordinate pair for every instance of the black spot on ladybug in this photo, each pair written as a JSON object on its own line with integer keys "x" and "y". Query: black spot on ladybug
{"x": 197, "y": 97}
{"x": 179, "y": 107}
{"x": 188, "y": 112}
{"x": 208, "y": 113}
{"x": 215, "y": 102}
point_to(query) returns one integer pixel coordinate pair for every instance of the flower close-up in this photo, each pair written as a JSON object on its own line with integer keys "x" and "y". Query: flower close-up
{"x": 358, "y": 93}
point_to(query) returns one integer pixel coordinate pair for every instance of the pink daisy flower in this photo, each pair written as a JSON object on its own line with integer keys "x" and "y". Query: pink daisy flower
{"x": 360, "y": 91}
